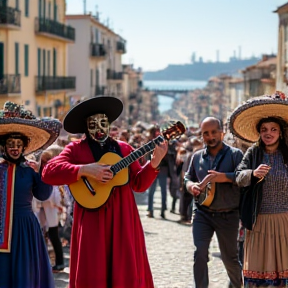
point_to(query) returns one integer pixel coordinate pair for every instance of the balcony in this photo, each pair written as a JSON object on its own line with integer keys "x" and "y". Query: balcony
{"x": 10, "y": 18}
{"x": 54, "y": 29}
{"x": 10, "y": 84}
{"x": 97, "y": 50}
{"x": 100, "y": 90}
{"x": 113, "y": 75}
{"x": 120, "y": 47}
{"x": 44, "y": 83}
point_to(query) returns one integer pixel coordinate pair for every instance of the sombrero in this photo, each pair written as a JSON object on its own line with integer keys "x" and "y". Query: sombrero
{"x": 244, "y": 119}
{"x": 41, "y": 133}
{"x": 74, "y": 121}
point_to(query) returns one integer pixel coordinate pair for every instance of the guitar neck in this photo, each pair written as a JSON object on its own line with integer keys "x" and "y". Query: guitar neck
{"x": 135, "y": 155}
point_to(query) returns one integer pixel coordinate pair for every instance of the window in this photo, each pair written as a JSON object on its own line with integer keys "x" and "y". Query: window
{"x": 91, "y": 77}
{"x": 16, "y": 58}
{"x": 55, "y": 10}
{"x": 26, "y": 60}
{"x": 39, "y": 111}
{"x": 39, "y": 8}
{"x": 54, "y": 62}
{"x": 48, "y": 62}
{"x": 39, "y": 61}
{"x": 49, "y": 10}
{"x": 27, "y": 8}
{"x": 44, "y": 62}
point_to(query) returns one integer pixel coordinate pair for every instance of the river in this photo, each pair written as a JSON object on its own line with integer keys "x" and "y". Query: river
{"x": 165, "y": 103}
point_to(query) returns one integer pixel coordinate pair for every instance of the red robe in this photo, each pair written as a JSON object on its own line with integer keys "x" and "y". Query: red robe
{"x": 107, "y": 245}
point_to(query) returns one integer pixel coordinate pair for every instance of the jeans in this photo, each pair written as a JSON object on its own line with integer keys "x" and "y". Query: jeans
{"x": 225, "y": 225}
{"x": 162, "y": 178}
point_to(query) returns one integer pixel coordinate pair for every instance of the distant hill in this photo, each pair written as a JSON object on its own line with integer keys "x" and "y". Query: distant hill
{"x": 200, "y": 70}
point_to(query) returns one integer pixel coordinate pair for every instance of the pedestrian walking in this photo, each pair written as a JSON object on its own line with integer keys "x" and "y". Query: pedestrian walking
{"x": 49, "y": 212}
{"x": 220, "y": 214}
{"x": 186, "y": 199}
{"x": 161, "y": 178}
{"x": 107, "y": 243}
{"x": 263, "y": 174}
{"x": 24, "y": 261}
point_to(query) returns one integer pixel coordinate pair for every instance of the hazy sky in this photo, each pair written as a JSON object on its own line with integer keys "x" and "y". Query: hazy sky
{"x": 162, "y": 32}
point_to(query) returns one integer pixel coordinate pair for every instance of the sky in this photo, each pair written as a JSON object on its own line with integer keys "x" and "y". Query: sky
{"x": 163, "y": 32}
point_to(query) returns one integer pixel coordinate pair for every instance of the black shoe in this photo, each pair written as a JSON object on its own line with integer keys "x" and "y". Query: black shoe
{"x": 162, "y": 215}
{"x": 150, "y": 214}
{"x": 58, "y": 268}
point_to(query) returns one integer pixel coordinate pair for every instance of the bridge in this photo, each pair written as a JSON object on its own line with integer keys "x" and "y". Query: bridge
{"x": 168, "y": 91}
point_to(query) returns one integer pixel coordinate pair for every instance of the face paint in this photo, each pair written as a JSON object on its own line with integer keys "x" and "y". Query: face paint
{"x": 14, "y": 148}
{"x": 98, "y": 127}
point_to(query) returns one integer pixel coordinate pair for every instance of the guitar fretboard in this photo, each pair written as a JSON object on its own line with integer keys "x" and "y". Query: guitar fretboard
{"x": 135, "y": 155}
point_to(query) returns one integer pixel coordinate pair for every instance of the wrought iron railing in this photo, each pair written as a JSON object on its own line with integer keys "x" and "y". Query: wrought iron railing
{"x": 113, "y": 75}
{"x": 55, "y": 28}
{"x": 97, "y": 50}
{"x": 10, "y": 16}
{"x": 44, "y": 83}
{"x": 10, "y": 84}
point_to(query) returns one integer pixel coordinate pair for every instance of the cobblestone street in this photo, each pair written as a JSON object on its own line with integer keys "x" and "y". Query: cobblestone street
{"x": 170, "y": 251}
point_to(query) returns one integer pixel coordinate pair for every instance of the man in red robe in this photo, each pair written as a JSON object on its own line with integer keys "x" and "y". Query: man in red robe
{"x": 107, "y": 243}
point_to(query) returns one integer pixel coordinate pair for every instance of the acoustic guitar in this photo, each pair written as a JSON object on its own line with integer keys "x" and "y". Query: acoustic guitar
{"x": 207, "y": 193}
{"x": 92, "y": 194}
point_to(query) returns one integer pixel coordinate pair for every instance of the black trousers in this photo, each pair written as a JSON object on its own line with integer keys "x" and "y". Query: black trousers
{"x": 57, "y": 245}
{"x": 186, "y": 205}
{"x": 225, "y": 225}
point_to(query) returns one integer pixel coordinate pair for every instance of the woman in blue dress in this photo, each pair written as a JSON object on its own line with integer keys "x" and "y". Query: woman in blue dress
{"x": 24, "y": 261}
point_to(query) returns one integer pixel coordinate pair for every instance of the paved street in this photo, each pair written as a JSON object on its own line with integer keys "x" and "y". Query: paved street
{"x": 170, "y": 251}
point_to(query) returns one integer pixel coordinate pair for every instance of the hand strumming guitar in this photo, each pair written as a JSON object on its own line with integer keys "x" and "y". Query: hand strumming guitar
{"x": 159, "y": 153}
{"x": 99, "y": 172}
{"x": 196, "y": 188}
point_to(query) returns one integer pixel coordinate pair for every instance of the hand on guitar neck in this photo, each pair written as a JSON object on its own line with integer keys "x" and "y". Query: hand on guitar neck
{"x": 159, "y": 153}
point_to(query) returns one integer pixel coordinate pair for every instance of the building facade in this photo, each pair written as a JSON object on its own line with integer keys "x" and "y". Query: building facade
{"x": 260, "y": 78}
{"x": 95, "y": 58}
{"x": 282, "y": 59}
{"x": 33, "y": 66}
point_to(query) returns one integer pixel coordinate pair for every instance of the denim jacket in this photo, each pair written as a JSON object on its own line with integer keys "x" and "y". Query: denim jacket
{"x": 227, "y": 194}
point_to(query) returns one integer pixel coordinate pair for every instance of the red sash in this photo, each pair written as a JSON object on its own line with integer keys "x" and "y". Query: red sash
{"x": 7, "y": 177}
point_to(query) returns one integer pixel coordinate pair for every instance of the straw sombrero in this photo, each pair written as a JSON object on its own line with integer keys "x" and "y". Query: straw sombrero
{"x": 74, "y": 121}
{"x": 244, "y": 119}
{"x": 41, "y": 132}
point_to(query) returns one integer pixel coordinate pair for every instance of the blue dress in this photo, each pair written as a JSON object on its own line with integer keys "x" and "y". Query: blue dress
{"x": 27, "y": 265}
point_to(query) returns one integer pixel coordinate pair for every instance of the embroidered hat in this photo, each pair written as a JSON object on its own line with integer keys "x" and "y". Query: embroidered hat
{"x": 40, "y": 132}
{"x": 75, "y": 120}
{"x": 244, "y": 119}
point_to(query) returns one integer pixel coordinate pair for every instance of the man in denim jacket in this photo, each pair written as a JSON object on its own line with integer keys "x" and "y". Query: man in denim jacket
{"x": 219, "y": 161}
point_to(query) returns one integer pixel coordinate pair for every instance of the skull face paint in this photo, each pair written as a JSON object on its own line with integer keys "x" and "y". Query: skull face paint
{"x": 14, "y": 148}
{"x": 98, "y": 127}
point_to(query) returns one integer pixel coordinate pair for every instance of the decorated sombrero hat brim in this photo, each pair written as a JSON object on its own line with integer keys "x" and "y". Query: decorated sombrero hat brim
{"x": 74, "y": 121}
{"x": 244, "y": 119}
{"x": 41, "y": 133}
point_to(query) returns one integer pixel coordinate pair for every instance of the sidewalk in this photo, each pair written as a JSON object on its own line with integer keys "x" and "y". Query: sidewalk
{"x": 170, "y": 250}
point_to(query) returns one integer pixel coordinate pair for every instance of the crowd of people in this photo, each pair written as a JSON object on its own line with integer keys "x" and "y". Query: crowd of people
{"x": 238, "y": 192}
